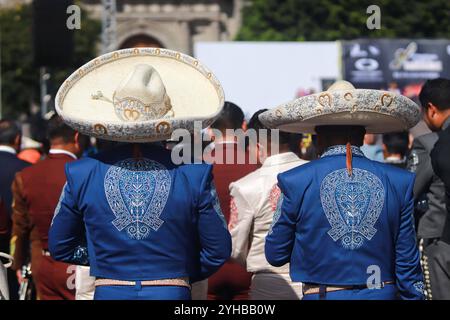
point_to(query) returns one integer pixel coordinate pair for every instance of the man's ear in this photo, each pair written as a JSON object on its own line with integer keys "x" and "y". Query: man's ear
{"x": 18, "y": 141}
{"x": 244, "y": 125}
{"x": 210, "y": 134}
{"x": 262, "y": 152}
{"x": 77, "y": 137}
{"x": 433, "y": 108}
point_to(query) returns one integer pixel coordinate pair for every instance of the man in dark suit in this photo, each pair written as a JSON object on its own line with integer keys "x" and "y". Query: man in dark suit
{"x": 430, "y": 213}
{"x": 10, "y": 139}
{"x": 232, "y": 281}
{"x": 33, "y": 211}
{"x": 435, "y": 100}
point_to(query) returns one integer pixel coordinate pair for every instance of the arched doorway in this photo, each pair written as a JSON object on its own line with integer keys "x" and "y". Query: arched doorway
{"x": 140, "y": 41}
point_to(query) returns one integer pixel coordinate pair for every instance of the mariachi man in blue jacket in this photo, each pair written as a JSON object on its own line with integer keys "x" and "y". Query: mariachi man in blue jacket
{"x": 344, "y": 222}
{"x": 148, "y": 227}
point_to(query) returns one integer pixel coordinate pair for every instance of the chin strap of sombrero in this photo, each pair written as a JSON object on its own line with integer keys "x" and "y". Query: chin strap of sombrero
{"x": 137, "y": 152}
{"x": 349, "y": 158}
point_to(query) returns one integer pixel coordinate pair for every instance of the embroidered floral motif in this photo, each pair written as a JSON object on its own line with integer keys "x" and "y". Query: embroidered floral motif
{"x": 341, "y": 149}
{"x": 419, "y": 286}
{"x": 233, "y": 214}
{"x": 274, "y": 196}
{"x": 277, "y": 214}
{"x": 58, "y": 206}
{"x": 216, "y": 204}
{"x": 352, "y": 205}
{"x": 137, "y": 192}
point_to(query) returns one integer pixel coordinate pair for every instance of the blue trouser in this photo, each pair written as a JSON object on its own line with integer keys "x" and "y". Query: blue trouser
{"x": 139, "y": 292}
{"x": 389, "y": 292}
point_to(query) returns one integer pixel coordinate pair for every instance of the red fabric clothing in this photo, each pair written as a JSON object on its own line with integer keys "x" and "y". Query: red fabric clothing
{"x": 232, "y": 281}
{"x": 42, "y": 186}
{"x": 36, "y": 191}
{"x": 54, "y": 280}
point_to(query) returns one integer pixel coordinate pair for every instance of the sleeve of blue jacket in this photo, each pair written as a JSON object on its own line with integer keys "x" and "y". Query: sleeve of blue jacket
{"x": 215, "y": 240}
{"x": 281, "y": 236}
{"x": 66, "y": 239}
{"x": 407, "y": 262}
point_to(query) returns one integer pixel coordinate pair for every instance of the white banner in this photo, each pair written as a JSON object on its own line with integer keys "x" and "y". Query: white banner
{"x": 257, "y": 75}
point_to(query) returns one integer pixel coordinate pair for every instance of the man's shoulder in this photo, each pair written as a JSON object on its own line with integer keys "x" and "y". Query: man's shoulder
{"x": 248, "y": 185}
{"x": 12, "y": 161}
{"x": 46, "y": 165}
{"x": 248, "y": 179}
{"x": 441, "y": 151}
{"x": 195, "y": 169}
{"x": 81, "y": 166}
{"x": 426, "y": 141}
{"x": 397, "y": 177}
{"x": 304, "y": 168}
{"x": 444, "y": 139}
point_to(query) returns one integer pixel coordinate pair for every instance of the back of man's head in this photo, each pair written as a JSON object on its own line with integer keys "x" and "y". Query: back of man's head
{"x": 396, "y": 142}
{"x": 231, "y": 117}
{"x": 341, "y": 134}
{"x": 9, "y": 131}
{"x": 284, "y": 138}
{"x": 436, "y": 92}
{"x": 58, "y": 130}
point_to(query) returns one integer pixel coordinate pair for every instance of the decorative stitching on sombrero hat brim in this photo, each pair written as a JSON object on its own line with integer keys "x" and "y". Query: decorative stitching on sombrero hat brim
{"x": 135, "y": 131}
{"x": 344, "y": 103}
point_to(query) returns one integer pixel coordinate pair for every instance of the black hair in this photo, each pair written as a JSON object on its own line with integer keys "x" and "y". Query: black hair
{"x": 9, "y": 130}
{"x": 396, "y": 142}
{"x": 231, "y": 117}
{"x": 292, "y": 139}
{"x": 56, "y": 128}
{"x": 436, "y": 91}
{"x": 351, "y": 133}
{"x": 348, "y": 130}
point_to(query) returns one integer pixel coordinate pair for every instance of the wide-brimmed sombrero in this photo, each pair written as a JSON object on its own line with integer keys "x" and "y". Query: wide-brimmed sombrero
{"x": 139, "y": 95}
{"x": 378, "y": 111}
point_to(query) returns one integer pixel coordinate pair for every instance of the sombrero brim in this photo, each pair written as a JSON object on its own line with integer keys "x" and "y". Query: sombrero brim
{"x": 378, "y": 111}
{"x": 195, "y": 95}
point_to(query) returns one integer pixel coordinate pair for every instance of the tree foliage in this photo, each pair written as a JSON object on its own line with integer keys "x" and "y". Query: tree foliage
{"x": 19, "y": 75}
{"x": 328, "y": 20}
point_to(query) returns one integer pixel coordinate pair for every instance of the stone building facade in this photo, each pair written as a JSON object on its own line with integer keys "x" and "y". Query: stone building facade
{"x": 172, "y": 24}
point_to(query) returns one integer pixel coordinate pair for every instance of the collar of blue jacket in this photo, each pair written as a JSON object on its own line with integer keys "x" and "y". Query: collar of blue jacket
{"x": 341, "y": 150}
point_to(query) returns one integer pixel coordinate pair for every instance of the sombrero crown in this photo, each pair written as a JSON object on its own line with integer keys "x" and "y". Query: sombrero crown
{"x": 139, "y": 95}
{"x": 378, "y": 111}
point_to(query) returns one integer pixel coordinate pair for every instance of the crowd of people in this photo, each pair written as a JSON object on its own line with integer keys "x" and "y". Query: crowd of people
{"x": 123, "y": 217}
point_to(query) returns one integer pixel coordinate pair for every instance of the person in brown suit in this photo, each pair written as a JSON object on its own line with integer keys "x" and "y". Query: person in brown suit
{"x": 232, "y": 281}
{"x": 36, "y": 191}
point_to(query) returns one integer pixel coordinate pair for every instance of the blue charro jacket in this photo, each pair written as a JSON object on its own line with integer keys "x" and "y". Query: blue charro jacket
{"x": 140, "y": 218}
{"x": 339, "y": 230}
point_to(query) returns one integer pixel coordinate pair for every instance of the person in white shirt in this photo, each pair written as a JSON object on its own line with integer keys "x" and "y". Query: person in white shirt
{"x": 253, "y": 203}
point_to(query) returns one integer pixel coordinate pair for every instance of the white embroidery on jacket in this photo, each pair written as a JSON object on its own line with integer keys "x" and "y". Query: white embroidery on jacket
{"x": 352, "y": 205}
{"x": 419, "y": 286}
{"x": 341, "y": 149}
{"x": 277, "y": 214}
{"x": 137, "y": 192}
{"x": 58, "y": 206}
{"x": 216, "y": 205}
